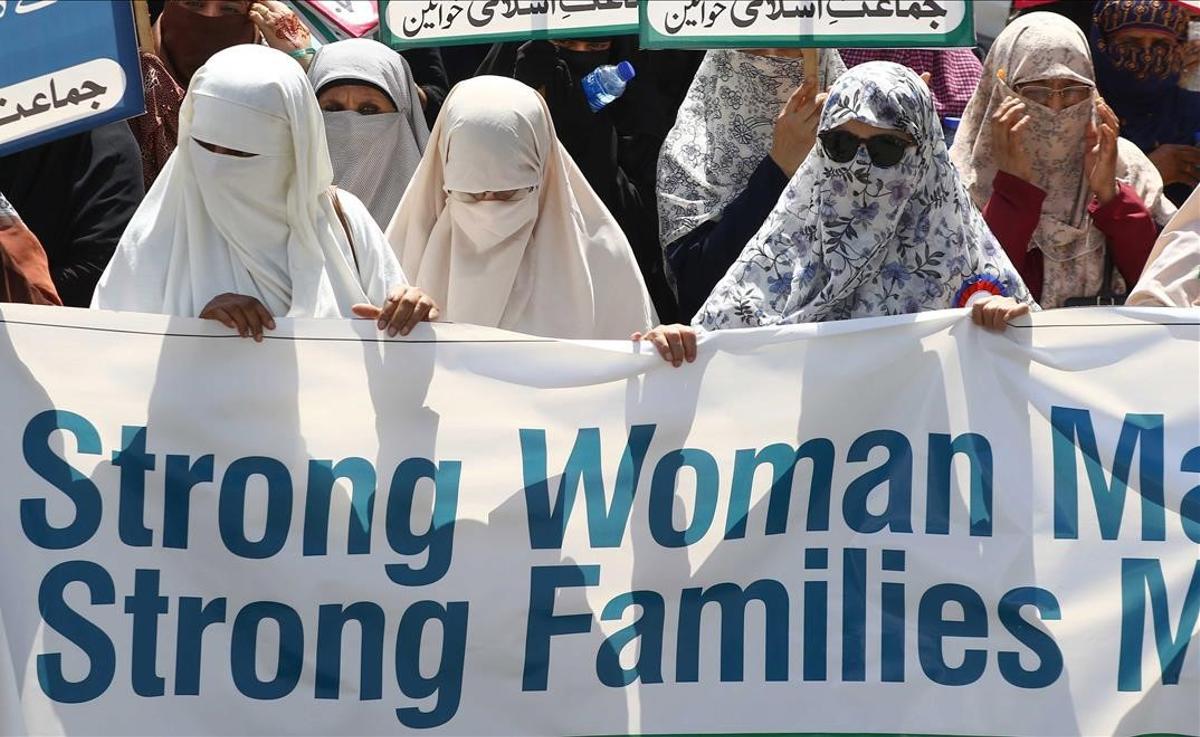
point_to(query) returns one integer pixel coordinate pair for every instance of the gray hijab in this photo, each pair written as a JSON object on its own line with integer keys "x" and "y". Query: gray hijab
{"x": 374, "y": 156}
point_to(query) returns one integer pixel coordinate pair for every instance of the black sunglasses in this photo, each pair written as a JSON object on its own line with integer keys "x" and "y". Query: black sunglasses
{"x": 885, "y": 150}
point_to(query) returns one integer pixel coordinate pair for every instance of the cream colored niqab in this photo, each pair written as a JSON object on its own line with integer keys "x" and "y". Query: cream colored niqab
{"x": 551, "y": 260}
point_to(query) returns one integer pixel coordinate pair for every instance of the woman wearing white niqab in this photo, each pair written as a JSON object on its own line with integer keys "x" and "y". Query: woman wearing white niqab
{"x": 242, "y": 223}
{"x": 501, "y": 229}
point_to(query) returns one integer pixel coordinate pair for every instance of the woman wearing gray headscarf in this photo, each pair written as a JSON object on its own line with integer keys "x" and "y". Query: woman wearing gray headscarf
{"x": 373, "y": 121}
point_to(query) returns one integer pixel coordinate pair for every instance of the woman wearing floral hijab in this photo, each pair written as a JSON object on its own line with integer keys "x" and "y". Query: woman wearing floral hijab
{"x": 747, "y": 123}
{"x": 1070, "y": 201}
{"x": 875, "y": 222}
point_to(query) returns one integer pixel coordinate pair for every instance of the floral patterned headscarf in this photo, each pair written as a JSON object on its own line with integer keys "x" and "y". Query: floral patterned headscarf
{"x": 724, "y": 129}
{"x": 1034, "y": 48}
{"x": 859, "y": 240}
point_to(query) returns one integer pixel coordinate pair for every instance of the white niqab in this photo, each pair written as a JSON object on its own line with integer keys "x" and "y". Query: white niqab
{"x": 551, "y": 261}
{"x": 263, "y": 226}
{"x": 374, "y": 156}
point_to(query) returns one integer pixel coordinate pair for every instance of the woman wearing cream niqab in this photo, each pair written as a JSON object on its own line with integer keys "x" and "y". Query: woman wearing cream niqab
{"x": 550, "y": 260}
{"x": 263, "y": 225}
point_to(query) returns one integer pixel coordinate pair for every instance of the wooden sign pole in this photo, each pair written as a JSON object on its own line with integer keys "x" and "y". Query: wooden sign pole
{"x": 145, "y": 33}
{"x": 812, "y": 69}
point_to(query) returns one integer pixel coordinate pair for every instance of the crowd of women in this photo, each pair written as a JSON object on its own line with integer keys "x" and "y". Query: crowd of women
{"x": 725, "y": 189}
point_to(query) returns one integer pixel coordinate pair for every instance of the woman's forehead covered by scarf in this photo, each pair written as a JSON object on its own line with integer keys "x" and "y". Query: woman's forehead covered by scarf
{"x": 1159, "y": 63}
{"x": 1112, "y": 16}
{"x": 364, "y": 60}
{"x": 1038, "y": 47}
{"x": 251, "y": 108}
{"x": 496, "y": 136}
{"x": 884, "y": 95}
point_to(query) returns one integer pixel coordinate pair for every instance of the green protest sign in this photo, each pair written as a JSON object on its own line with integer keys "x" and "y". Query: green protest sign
{"x": 406, "y": 24}
{"x": 807, "y": 23}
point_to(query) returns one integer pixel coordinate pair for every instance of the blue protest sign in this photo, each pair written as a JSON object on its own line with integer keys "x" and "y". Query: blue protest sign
{"x": 65, "y": 67}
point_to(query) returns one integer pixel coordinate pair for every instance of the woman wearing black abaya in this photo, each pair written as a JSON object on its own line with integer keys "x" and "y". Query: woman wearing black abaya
{"x": 77, "y": 194}
{"x": 617, "y": 147}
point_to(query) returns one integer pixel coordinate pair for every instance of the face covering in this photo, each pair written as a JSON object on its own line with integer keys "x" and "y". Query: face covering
{"x": 263, "y": 226}
{"x": 493, "y": 224}
{"x": 1161, "y": 62}
{"x": 846, "y": 194}
{"x": 1057, "y": 147}
{"x": 248, "y": 198}
{"x": 374, "y": 158}
{"x": 186, "y": 40}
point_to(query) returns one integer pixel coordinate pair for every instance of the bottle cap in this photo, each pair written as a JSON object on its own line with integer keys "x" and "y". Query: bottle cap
{"x": 626, "y": 71}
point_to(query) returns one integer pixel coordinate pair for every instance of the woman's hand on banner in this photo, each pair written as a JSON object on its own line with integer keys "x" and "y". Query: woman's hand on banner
{"x": 401, "y": 311}
{"x": 675, "y": 343}
{"x": 994, "y": 312}
{"x": 244, "y": 314}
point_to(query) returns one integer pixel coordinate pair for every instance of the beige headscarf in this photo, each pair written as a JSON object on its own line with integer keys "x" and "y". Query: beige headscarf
{"x": 1172, "y": 274}
{"x": 551, "y": 261}
{"x": 1035, "y": 47}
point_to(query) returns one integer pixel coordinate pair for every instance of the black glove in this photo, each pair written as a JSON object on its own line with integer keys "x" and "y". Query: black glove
{"x": 539, "y": 67}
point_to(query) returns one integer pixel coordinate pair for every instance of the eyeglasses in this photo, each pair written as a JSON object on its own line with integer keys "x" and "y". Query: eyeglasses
{"x": 885, "y": 150}
{"x": 1042, "y": 95}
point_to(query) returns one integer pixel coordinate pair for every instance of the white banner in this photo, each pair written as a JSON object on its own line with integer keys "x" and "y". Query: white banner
{"x": 885, "y": 526}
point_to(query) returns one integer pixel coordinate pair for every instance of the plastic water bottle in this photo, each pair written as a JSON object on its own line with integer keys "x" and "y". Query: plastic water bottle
{"x": 950, "y": 129}
{"x": 604, "y": 84}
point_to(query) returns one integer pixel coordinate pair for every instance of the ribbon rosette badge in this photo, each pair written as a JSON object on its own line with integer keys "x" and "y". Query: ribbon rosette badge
{"x": 979, "y": 284}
